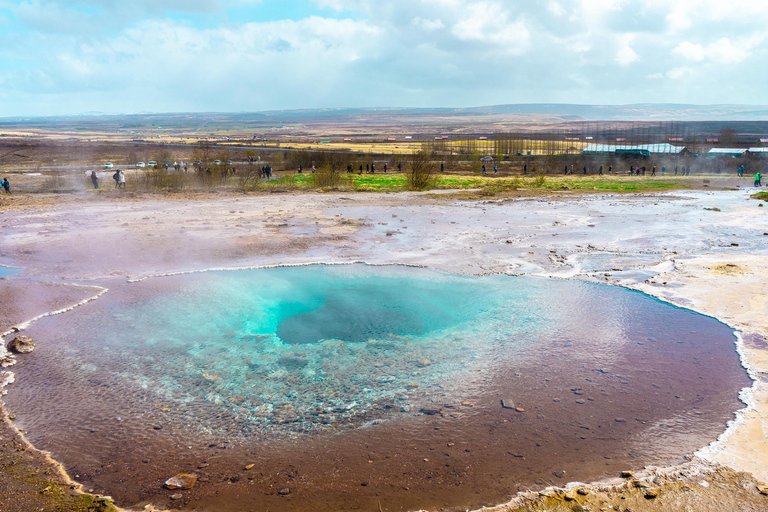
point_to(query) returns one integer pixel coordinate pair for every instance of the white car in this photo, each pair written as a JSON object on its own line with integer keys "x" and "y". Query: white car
{"x": 141, "y": 164}
{"x": 151, "y": 163}
{"x": 109, "y": 165}
{"x": 217, "y": 162}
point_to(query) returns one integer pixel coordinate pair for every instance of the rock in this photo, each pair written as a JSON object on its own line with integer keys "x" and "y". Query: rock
{"x": 181, "y": 481}
{"x": 569, "y": 497}
{"x": 284, "y": 492}
{"x": 177, "y": 496}
{"x": 508, "y": 403}
{"x": 651, "y": 493}
{"x": 21, "y": 345}
{"x": 249, "y": 467}
{"x": 413, "y": 385}
{"x": 627, "y": 474}
{"x": 7, "y": 361}
{"x": 559, "y": 474}
{"x": 519, "y": 409}
{"x": 763, "y": 489}
{"x": 421, "y": 363}
{"x": 430, "y": 412}
{"x": 582, "y": 491}
{"x": 580, "y": 508}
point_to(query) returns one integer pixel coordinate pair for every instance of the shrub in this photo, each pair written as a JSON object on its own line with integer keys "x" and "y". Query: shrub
{"x": 420, "y": 173}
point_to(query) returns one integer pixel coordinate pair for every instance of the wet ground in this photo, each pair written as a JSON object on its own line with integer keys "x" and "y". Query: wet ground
{"x": 630, "y": 241}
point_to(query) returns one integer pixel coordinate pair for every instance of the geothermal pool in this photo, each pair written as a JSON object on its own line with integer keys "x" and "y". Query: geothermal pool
{"x": 354, "y": 385}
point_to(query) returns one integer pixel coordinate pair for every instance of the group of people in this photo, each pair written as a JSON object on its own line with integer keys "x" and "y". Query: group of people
{"x": 118, "y": 176}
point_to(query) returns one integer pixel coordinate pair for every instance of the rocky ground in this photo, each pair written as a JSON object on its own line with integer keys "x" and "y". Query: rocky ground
{"x": 704, "y": 250}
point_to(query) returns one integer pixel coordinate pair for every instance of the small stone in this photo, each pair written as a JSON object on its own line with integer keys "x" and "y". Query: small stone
{"x": 559, "y": 474}
{"x": 763, "y": 489}
{"x": 423, "y": 362}
{"x": 519, "y": 409}
{"x": 451, "y": 444}
{"x": 627, "y": 474}
{"x": 202, "y": 465}
{"x": 651, "y": 493}
{"x": 508, "y": 403}
{"x": 430, "y": 412}
{"x": 181, "y": 481}
{"x": 569, "y": 497}
{"x": 284, "y": 492}
{"x": 468, "y": 403}
{"x": 582, "y": 491}
{"x": 249, "y": 467}
{"x": 21, "y": 345}
{"x": 619, "y": 420}
{"x": 413, "y": 385}
{"x": 176, "y": 496}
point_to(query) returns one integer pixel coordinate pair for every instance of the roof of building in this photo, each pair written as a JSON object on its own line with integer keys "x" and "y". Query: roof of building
{"x": 758, "y": 150}
{"x": 727, "y": 151}
{"x": 667, "y": 149}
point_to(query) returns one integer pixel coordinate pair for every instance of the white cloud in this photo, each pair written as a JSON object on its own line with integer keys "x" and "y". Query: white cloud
{"x": 626, "y": 56}
{"x": 722, "y": 51}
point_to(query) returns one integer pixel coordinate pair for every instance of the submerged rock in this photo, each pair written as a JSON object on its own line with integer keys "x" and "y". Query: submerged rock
{"x": 181, "y": 481}
{"x": 21, "y": 345}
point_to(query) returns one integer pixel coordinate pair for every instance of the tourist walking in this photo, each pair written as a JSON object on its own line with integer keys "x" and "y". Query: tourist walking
{"x": 116, "y": 177}
{"x": 120, "y": 179}
{"x": 7, "y": 186}
{"x": 94, "y": 179}
{"x": 757, "y": 180}
{"x": 653, "y": 171}
{"x": 585, "y": 169}
{"x": 600, "y": 170}
{"x": 483, "y": 170}
{"x": 663, "y": 170}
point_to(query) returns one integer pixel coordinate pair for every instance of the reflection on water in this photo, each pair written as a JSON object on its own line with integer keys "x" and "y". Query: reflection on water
{"x": 401, "y": 361}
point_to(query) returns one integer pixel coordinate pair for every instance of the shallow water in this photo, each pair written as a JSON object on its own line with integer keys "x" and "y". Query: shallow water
{"x": 356, "y": 384}
{"x": 8, "y": 271}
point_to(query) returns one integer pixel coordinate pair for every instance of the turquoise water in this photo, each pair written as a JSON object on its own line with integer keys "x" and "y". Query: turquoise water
{"x": 275, "y": 346}
{"x": 8, "y": 271}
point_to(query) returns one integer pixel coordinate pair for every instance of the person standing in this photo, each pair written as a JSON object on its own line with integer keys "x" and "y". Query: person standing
{"x": 116, "y": 177}
{"x": 6, "y": 186}
{"x": 653, "y": 171}
{"x": 663, "y": 170}
{"x": 385, "y": 167}
{"x": 373, "y": 168}
{"x": 585, "y": 169}
{"x": 600, "y": 171}
{"x": 495, "y": 168}
{"x": 94, "y": 179}
{"x": 120, "y": 179}
{"x": 482, "y": 171}
{"x": 757, "y": 180}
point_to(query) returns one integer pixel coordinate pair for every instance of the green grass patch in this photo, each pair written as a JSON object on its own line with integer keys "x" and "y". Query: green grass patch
{"x": 762, "y": 196}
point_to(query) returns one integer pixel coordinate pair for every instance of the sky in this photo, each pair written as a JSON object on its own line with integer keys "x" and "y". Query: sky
{"x": 62, "y": 57}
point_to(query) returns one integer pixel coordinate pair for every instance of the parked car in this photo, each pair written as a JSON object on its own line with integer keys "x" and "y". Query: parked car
{"x": 151, "y": 163}
{"x": 217, "y": 162}
{"x": 109, "y": 165}
{"x": 229, "y": 162}
{"x": 141, "y": 164}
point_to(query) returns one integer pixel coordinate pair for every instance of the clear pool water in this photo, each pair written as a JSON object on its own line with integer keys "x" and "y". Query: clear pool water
{"x": 392, "y": 376}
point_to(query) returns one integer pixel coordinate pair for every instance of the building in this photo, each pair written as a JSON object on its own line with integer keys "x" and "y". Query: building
{"x": 732, "y": 152}
{"x": 646, "y": 150}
